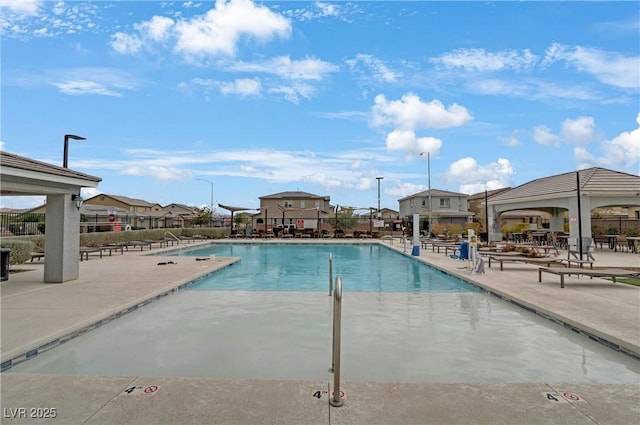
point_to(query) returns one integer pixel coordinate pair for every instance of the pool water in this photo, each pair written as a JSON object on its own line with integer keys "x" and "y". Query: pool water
{"x": 292, "y": 267}
{"x": 411, "y": 335}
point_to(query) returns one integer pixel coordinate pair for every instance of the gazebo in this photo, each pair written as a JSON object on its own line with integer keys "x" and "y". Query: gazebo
{"x": 234, "y": 210}
{"x": 577, "y": 192}
{"x": 22, "y": 176}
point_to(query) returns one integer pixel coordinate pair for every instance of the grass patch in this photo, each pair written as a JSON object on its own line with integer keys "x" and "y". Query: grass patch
{"x": 628, "y": 280}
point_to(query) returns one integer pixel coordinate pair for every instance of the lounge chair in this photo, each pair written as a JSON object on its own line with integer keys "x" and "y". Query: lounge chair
{"x": 86, "y": 250}
{"x": 588, "y": 247}
{"x": 562, "y": 272}
{"x": 37, "y": 256}
{"x": 529, "y": 260}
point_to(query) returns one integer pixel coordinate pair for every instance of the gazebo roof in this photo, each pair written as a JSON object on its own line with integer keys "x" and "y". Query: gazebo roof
{"x": 592, "y": 180}
{"x": 235, "y": 209}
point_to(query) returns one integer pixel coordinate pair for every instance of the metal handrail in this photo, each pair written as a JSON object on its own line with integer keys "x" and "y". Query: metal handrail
{"x": 336, "y": 400}
{"x": 330, "y": 274}
{"x": 174, "y": 236}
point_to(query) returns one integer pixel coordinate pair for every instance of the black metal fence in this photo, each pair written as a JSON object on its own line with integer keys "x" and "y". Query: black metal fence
{"x": 18, "y": 224}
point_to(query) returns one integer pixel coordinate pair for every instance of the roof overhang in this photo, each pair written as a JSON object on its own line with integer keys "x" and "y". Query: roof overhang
{"x": 23, "y": 176}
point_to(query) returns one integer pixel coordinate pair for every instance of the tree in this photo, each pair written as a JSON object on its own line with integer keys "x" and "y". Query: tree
{"x": 202, "y": 216}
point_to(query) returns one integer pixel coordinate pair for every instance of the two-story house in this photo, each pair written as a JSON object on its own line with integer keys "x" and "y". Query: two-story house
{"x": 294, "y": 211}
{"x": 130, "y": 212}
{"x": 446, "y": 207}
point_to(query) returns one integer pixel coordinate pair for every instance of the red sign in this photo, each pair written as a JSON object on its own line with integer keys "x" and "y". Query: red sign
{"x": 112, "y": 218}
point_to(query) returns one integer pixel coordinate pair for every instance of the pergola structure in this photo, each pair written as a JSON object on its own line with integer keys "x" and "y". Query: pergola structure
{"x": 596, "y": 187}
{"x": 234, "y": 210}
{"x": 20, "y": 176}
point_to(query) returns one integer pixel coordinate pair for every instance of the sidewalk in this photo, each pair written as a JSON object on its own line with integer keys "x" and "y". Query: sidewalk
{"x": 34, "y": 313}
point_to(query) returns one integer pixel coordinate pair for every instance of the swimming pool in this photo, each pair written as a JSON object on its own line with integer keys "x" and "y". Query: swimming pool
{"x": 295, "y": 267}
{"x": 405, "y": 335}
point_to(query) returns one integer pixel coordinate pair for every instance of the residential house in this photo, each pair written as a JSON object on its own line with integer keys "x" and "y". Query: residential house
{"x": 179, "y": 215}
{"x": 294, "y": 211}
{"x": 446, "y": 207}
{"x": 138, "y": 214}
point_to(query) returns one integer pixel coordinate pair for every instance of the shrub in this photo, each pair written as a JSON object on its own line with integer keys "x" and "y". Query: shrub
{"x": 21, "y": 250}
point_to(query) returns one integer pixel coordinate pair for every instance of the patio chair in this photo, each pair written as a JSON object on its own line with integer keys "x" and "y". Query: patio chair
{"x": 463, "y": 252}
{"x": 588, "y": 247}
{"x": 622, "y": 243}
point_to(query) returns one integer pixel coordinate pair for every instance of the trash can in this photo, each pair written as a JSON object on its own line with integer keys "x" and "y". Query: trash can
{"x": 4, "y": 252}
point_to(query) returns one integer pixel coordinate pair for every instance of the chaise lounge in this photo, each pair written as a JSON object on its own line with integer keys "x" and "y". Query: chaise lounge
{"x": 562, "y": 272}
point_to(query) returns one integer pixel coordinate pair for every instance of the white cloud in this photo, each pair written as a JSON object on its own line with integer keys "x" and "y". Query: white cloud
{"x": 410, "y": 113}
{"x": 483, "y": 61}
{"x": 406, "y": 140}
{"x": 403, "y": 189}
{"x": 608, "y": 67}
{"x": 284, "y": 67}
{"x": 83, "y": 87}
{"x": 218, "y": 31}
{"x": 294, "y": 92}
{"x": 581, "y": 130}
{"x": 243, "y": 87}
{"x": 621, "y": 151}
{"x": 373, "y": 66}
{"x": 472, "y": 177}
{"x": 327, "y": 9}
{"x": 543, "y": 135}
{"x": 158, "y": 172}
{"x": 512, "y": 140}
{"x": 157, "y": 29}
{"x": 214, "y": 33}
{"x": 126, "y": 44}
{"x": 27, "y": 7}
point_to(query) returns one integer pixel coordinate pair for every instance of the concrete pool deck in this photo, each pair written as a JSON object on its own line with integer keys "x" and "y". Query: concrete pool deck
{"x": 34, "y": 314}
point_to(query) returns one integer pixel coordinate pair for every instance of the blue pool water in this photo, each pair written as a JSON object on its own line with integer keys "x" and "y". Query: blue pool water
{"x": 292, "y": 267}
{"x": 402, "y": 322}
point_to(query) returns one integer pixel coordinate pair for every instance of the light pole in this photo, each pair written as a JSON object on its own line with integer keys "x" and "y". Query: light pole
{"x": 211, "y": 203}
{"x": 379, "y": 178}
{"x": 429, "y": 186}
{"x": 65, "y": 158}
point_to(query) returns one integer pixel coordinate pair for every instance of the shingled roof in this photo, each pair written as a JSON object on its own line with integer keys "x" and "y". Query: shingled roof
{"x": 19, "y": 162}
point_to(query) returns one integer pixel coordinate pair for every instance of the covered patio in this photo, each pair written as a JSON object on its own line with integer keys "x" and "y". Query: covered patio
{"x": 578, "y": 192}
{"x": 22, "y": 176}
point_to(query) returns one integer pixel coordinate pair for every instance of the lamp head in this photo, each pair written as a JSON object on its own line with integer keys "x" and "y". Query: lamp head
{"x": 78, "y": 200}
{"x": 74, "y": 137}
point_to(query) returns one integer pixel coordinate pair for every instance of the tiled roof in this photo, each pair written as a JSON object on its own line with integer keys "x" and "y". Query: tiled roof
{"x": 591, "y": 180}
{"x": 490, "y": 193}
{"x": 126, "y": 200}
{"x": 292, "y": 195}
{"x": 434, "y": 192}
{"x": 15, "y": 161}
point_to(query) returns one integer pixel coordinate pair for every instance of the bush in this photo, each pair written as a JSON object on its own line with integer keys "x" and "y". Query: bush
{"x": 20, "y": 250}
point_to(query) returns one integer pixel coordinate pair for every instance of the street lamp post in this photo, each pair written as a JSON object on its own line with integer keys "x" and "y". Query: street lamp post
{"x": 65, "y": 158}
{"x": 429, "y": 186}
{"x": 211, "y": 202}
{"x": 379, "y": 178}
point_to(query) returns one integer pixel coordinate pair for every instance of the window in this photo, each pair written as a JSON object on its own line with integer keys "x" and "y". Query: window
{"x": 424, "y": 202}
{"x": 317, "y": 204}
{"x": 288, "y": 204}
{"x": 302, "y": 203}
{"x": 445, "y": 202}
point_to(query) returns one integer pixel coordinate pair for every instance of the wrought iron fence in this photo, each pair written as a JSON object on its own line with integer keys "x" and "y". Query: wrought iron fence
{"x": 18, "y": 224}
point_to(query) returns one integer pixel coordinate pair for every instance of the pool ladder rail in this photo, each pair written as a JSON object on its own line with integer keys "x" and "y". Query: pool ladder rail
{"x": 173, "y": 236}
{"x": 336, "y": 400}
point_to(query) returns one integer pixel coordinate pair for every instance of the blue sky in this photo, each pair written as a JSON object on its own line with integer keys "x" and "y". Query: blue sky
{"x": 322, "y": 97}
